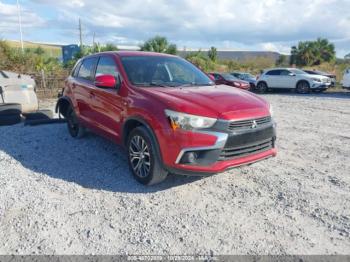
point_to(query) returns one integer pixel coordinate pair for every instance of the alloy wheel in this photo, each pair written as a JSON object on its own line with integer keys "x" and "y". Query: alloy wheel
{"x": 139, "y": 155}
{"x": 303, "y": 88}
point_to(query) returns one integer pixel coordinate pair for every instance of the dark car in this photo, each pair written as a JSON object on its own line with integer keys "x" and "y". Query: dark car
{"x": 246, "y": 77}
{"x": 230, "y": 80}
{"x": 168, "y": 114}
{"x": 321, "y": 73}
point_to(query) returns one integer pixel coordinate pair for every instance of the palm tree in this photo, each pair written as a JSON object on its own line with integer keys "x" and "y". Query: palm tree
{"x": 159, "y": 44}
{"x": 313, "y": 52}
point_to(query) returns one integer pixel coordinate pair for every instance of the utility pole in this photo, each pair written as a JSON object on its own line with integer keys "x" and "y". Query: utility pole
{"x": 80, "y": 34}
{"x": 20, "y": 25}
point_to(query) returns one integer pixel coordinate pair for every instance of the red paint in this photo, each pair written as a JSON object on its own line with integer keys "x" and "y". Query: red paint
{"x": 105, "y": 81}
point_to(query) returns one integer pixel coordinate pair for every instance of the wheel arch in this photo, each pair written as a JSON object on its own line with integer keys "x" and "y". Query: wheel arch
{"x": 262, "y": 81}
{"x": 300, "y": 81}
{"x": 134, "y": 122}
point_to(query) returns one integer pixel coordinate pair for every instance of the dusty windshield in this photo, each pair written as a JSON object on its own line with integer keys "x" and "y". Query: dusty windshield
{"x": 163, "y": 71}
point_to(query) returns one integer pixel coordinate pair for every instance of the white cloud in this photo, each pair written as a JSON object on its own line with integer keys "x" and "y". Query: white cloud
{"x": 9, "y": 18}
{"x": 250, "y": 24}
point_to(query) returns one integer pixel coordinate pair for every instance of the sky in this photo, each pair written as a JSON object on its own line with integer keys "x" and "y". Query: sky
{"x": 254, "y": 25}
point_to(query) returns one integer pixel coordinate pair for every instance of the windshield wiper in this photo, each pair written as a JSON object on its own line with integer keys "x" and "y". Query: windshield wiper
{"x": 194, "y": 84}
{"x": 159, "y": 84}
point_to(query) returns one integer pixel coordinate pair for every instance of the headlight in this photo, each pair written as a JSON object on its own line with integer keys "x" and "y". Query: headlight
{"x": 316, "y": 80}
{"x": 187, "y": 121}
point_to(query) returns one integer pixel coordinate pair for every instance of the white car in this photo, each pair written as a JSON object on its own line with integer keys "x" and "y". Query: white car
{"x": 19, "y": 89}
{"x": 292, "y": 78}
{"x": 346, "y": 79}
{"x": 17, "y": 97}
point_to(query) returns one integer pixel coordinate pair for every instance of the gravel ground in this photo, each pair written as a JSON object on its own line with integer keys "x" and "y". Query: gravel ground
{"x": 64, "y": 196}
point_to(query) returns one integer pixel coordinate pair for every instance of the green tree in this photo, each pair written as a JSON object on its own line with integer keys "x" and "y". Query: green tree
{"x": 109, "y": 47}
{"x": 311, "y": 53}
{"x": 159, "y": 44}
{"x": 213, "y": 54}
{"x": 200, "y": 60}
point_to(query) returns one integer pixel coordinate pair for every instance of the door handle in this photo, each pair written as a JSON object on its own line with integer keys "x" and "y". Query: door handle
{"x": 92, "y": 95}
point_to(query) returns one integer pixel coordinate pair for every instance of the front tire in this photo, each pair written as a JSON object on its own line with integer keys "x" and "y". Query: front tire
{"x": 76, "y": 130}
{"x": 261, "y": 88}
{"x": 144, "y": 161}
{"x": 303, "y": 87}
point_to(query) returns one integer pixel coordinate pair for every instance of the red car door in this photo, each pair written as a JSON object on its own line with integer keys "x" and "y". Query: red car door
{"x": 82, "y": 86}
{"x": 107, "y": 104}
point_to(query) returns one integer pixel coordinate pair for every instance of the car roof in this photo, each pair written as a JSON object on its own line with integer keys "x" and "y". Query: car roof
{"x": 280, "y": 68}
{"x": 131, "y": 53}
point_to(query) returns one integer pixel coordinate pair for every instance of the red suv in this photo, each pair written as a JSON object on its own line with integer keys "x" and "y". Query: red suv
{"x": 167, "y": 113}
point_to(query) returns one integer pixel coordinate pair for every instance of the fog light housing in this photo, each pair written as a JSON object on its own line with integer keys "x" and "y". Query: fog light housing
{"x": 189, "y": 158}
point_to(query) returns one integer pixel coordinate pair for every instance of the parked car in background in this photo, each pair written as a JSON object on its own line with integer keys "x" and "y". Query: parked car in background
{"x": 346, "y": 79}
{"x": 20, "y": 89}
{"x": 167, "y": 113}
{"x": 230, "y": 80}
{"x": 321, "y": 73}
{"x": 291, "y": 78}
{"x": 18, "y": 100}
{"x": 246, "y": 77}
{"x": 17, "y": 96}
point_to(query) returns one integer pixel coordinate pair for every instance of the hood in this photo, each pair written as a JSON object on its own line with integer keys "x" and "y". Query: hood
{"x": 220, "y": 101}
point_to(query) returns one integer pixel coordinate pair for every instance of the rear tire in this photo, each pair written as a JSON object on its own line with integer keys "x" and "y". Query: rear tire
{"x": 303, "y": 87}
{"x": 261, "y": 88}
{"x": 144, "y": 161}
{"x": 75, "y": 129}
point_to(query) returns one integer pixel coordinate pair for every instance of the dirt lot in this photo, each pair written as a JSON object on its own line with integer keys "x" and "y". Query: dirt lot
{"x": 64, "y": 196}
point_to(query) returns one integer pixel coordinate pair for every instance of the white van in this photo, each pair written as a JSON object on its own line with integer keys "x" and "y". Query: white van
{"x": 346, "y": 79}
{"x": 19, "y": 89}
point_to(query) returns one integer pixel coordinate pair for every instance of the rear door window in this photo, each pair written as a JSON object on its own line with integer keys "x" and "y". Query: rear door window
{"x": 87, "y": 68}
{"x": 285, "y": 73}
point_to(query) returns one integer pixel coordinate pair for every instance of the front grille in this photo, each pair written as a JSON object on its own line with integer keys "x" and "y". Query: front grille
{"x": 229, "y": 153}
{"x": 249, "y": 124}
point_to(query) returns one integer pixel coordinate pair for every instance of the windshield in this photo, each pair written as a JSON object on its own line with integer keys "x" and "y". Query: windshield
{"x": 247, "y": 75}
{"x": 297, "y": 71}
{"x": 163, "y": 71}
{"x": 229, "y": 77}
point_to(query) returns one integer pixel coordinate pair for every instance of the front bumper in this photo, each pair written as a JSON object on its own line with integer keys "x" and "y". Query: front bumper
{"x": 227, "y": 149}
{"x": 320, "y": 86}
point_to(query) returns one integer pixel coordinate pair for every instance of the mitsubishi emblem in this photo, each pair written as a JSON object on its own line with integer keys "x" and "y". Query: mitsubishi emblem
{"x": 254, "y": 124}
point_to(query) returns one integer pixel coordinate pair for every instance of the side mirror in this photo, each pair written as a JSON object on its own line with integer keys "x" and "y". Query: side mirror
{"x": 292, "y": 74}
{"x": 107, "y": 81}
